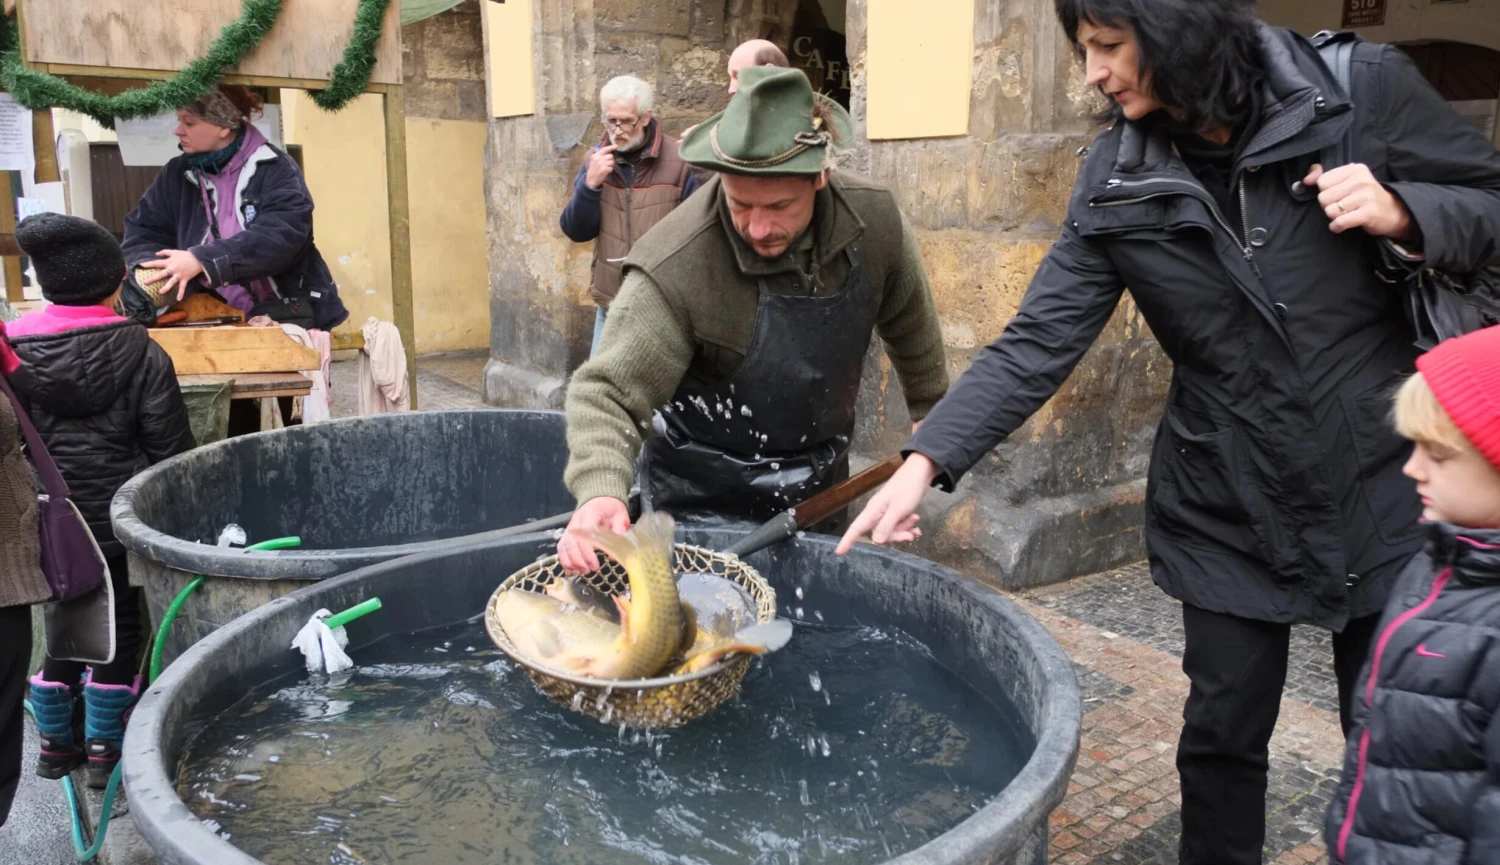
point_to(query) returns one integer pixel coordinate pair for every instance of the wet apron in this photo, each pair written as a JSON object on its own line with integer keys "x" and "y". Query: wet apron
{"x": 777, "y": 430}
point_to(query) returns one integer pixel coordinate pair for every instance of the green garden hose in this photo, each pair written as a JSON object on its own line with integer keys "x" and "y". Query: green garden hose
{"x": 85, "y": 852}
{"x": 81, "y": 851}
{"x": 159, "y": 645}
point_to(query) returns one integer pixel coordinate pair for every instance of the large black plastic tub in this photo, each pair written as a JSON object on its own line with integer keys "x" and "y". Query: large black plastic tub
{"x": 973, "y": 630}
{"x": 357, "y": 491}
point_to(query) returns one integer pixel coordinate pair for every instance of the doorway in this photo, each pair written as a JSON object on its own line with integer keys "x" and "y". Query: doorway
{"x": 1467, "y": 76}
{"x": 817, "y": 47}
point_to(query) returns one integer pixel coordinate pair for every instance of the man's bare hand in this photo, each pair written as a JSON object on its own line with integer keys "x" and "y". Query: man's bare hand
{"x": 601, "y": 166}
{"x": 574, "y": 552}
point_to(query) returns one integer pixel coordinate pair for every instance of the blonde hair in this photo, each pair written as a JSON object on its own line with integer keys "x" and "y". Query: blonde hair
{"x": 1420, "y": 417}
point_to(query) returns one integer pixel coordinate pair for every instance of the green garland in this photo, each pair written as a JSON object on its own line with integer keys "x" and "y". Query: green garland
{"x": 352, "y": 73}
{"x": 38, "y": 90}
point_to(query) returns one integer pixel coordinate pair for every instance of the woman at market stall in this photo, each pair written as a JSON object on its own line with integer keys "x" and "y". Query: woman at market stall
{"x": 232, "y": 216}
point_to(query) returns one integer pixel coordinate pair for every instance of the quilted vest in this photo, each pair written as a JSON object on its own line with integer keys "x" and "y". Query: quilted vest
{"x": 627, "y": 211}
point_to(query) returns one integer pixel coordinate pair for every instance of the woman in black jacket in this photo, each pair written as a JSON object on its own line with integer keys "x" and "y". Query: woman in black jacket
{"x": 105, "y": 399}
{"x": 1275, "y": 494}
{"x": 232, "y": 215}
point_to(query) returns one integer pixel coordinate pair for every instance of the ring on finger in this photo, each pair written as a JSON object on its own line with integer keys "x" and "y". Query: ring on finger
{"x": 1340, "y": 205}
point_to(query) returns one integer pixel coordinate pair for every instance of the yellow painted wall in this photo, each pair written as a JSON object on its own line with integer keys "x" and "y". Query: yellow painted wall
{"x": 344, "y": 156}
{"x": 450, "y": 265}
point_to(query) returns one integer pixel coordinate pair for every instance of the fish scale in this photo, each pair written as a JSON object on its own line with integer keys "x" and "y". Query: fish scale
{"x": 653, "y": 617}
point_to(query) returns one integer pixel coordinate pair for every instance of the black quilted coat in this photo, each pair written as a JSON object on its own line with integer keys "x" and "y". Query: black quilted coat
{"x": 106, "y": 402}
{"x": 1422, "y": 773}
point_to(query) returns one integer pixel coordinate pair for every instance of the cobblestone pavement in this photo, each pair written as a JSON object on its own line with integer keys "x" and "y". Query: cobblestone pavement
{"x": 1125, "y": 638}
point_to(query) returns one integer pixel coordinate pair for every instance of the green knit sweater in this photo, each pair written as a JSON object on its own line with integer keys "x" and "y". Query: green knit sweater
{"x": 686, "y": 314}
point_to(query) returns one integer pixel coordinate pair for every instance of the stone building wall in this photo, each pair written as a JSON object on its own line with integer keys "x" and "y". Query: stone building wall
{"x": 442, "y": 65}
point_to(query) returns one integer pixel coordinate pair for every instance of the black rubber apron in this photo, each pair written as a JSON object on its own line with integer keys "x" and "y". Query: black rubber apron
{"x": 776, "y": 430}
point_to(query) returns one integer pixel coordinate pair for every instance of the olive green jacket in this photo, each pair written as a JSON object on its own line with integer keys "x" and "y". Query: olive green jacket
{"x": 686, "y": 314}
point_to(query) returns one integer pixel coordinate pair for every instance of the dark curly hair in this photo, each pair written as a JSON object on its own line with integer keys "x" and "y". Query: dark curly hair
{"x": 1203, "y": 56}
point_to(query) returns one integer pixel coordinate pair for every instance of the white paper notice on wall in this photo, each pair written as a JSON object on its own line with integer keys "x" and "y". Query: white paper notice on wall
{"x": 16, "y": 153}
{"x": 152, "y": 141}
{"x": 45, "y": 198}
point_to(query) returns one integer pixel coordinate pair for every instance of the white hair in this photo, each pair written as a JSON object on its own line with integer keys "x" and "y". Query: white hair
{"x": 627, "y": 88}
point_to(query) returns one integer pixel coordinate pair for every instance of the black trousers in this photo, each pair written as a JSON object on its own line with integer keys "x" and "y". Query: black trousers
{"x": 15, "y": 658}
{"x": 1238, "y": 668}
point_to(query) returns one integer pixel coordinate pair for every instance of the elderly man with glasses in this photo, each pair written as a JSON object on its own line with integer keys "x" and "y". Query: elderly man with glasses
{"x": 631, "y": 179}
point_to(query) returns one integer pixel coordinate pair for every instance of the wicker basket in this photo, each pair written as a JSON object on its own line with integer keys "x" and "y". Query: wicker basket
{"x": 659, "y": 703}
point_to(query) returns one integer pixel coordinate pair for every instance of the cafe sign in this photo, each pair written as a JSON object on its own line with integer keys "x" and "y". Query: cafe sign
{"x": 1363, "y": 13}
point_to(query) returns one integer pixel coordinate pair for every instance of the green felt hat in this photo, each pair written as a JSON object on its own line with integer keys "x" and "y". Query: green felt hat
{"x": 769, "y": 128}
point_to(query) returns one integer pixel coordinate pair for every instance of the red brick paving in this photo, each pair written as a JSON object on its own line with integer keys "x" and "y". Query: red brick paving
{"x": 1125, "y": 782}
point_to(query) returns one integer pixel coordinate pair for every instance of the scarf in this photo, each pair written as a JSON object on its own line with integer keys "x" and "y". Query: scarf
{"x": 214, "y": 161}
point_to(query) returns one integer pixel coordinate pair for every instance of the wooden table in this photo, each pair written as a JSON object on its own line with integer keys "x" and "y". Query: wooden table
{"x": 255, "y": 385}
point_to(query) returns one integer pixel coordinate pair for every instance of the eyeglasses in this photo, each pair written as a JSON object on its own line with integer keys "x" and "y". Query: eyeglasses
{"x": 622, "y": 126}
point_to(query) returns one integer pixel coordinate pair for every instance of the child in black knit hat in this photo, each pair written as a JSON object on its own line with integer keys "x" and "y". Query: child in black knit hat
{"x": 106, "y": 401}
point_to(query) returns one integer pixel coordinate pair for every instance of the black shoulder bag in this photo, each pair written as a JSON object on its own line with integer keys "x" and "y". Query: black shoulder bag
{"x": 1439, "y": 304}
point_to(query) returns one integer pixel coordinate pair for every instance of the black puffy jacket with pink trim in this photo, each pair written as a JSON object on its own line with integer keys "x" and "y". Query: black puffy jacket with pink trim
{"x": 106, "y": 402}
{"x": 1421, "y": 779}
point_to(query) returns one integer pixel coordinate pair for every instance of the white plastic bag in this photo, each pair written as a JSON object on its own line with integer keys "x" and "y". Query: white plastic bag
{"x": 232, "y": 535}
{"x": 322, "y": 647}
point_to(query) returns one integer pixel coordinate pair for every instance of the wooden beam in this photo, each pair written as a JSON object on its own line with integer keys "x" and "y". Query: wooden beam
{"x": 44, "y": 144}
{"x": 346, "y": 340}
{"x": 256, "y": 385}
{"x": 233, "y": 350}
{"x": 107, "y": 86}
{"x": 94, "y": 73}
{"x": 13, "y": 277}
{"x": 402, "y": 308}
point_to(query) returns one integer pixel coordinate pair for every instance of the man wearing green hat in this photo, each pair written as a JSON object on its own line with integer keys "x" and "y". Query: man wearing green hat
{"x": 731, "y": 357}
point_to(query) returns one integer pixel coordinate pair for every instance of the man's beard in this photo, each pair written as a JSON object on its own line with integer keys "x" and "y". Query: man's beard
{"x": 635, "y": 142}
{"x": 782, "y": 243}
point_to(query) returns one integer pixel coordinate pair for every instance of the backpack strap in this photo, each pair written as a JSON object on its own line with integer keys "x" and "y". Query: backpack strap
{"x": 1337, "y": 51}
